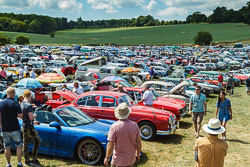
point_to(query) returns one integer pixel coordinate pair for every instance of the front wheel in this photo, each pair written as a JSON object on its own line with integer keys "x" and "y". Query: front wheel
{"x": 147, "y": 130}
{"x": 90, "y": 151}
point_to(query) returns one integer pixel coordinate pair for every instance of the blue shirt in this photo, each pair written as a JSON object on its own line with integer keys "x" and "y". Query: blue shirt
{"x": 198, "y": 102}
{"x": 9, "y": 110}
{"x": 223, "y": 107}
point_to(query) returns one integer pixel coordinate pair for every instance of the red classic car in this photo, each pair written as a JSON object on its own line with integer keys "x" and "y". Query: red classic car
{"x": 241, "y": 77}
{"x": 151, "y": 121}
{"x": 176, "y": 106}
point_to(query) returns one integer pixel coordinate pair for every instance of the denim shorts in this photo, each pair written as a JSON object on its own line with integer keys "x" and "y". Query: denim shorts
{"x": 16, "y": 136}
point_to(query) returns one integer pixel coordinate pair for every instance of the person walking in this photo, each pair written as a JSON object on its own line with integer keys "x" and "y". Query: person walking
{"x": 220, "y": 80}
{"x": 29, "y": 132}
{"x": 124, "y": 139}
{"x": 32, "y": 74}
{"x": 26, "y": 71}
{"x": 9, "y": 125}
{"x": 147, "y": 97}
{"x": 223, "y": 111}
{"x": 198, "y": 108}
{"x": 151, "y": 73}
{"x": 247, "y": 82}
{"x": 211, "y": 151}
{"x": 230, "y": 85}
{"x": 20, "y": 73}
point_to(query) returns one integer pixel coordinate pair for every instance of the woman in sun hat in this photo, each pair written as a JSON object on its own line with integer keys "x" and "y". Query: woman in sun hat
{"x": 223, "y": 111}
{"x": 211, "y": 151}
{"x": 124, "y": 139}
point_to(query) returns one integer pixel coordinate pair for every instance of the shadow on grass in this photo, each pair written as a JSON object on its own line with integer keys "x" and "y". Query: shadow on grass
{"x": 213, "y": 96}
{"x": 169, "y": 139}
{"x": 185, "y": 125}
{"x": 237, "y": 141}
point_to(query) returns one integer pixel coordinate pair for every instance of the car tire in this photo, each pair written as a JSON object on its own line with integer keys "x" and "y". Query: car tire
{"x": 90, "y": 151}
{"x": 147, "y": 130}
{"x": 1, "y": 144}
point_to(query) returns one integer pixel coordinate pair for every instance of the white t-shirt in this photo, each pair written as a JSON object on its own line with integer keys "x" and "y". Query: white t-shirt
{"x": 25, "y": 68}
{"x": 148, "y": 97}
{"x": 20, "y": 72}
{"x": 32, "y": 74}
{"x": 78, "y": 90}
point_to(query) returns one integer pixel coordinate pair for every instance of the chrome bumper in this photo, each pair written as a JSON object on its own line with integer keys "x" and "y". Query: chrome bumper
{"x": 168, "y": 132}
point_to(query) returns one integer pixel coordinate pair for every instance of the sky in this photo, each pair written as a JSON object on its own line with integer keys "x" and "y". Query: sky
{"x": 117, "y": 9}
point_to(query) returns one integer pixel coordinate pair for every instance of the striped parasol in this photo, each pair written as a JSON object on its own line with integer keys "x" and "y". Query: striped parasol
{"x": 50, "y": 78}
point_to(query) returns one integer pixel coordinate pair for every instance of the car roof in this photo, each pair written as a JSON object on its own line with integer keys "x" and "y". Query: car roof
{"x": 158, "y": 82}
{"x": 103, "y": 93}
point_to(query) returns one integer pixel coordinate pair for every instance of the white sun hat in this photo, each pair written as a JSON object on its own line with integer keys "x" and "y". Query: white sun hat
{"x": 213, "y": 127}
{"x": 122, "y": 111}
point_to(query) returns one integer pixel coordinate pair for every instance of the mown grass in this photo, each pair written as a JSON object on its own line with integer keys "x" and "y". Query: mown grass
{"x": 177, "y": 150}
{"x": 159, "y": 35}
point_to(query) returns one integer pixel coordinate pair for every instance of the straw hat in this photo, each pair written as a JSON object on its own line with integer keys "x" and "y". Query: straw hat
{"x": 213, "y": 127}
{"x": 122, "y": 111}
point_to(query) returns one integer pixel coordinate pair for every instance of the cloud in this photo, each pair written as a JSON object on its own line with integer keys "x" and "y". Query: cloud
{"x": 185, "y": 7}
{"x": 172, "y": 11}
{"x": 63, "y": 5}
{"x": 113, "y": 6}
{"x": 150, "y": 5}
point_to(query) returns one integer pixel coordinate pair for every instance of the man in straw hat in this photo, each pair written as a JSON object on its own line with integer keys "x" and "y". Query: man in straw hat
{"x": 210, "y": 150}
{"x": 124, "y": 139}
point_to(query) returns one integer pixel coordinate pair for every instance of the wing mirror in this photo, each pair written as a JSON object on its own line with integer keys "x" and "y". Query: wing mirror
{"x": 55, "y": 124}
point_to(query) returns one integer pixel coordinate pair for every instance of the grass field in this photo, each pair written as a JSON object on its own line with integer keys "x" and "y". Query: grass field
{"x": 161, "y": 35}
{"x": 177, "y": 150}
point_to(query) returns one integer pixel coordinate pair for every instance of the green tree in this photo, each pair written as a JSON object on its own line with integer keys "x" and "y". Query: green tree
{"x": 52, "y": 35}
{"x": 203, "y": 38}
{"x": 34, "y": 26}
{"x": 4, "y": 40}
{"x": 22, "y": 40}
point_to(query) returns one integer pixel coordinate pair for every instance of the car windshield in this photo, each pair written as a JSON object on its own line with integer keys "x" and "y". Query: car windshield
{"x": 126, "y": 99}
{"x": 125, "y": 84}
{"x": 74, "y": 117}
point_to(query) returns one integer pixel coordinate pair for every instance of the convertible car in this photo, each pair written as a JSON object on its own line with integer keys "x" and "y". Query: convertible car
{"x": 68, "y": 132}
{"x": 151, "y": 121}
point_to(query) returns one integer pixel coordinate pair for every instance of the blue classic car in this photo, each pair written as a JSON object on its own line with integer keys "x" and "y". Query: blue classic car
{"x": 68, "y": 132}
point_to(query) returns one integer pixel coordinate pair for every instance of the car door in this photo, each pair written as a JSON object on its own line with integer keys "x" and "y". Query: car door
{"x": 53, "y": 141}
{"x": 90, "y": 105}
{"x": 108, "y": 104}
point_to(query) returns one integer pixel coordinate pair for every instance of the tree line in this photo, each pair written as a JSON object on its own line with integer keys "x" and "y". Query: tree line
{"x": 32, "y": 23}
{"x": 222, "y": 15}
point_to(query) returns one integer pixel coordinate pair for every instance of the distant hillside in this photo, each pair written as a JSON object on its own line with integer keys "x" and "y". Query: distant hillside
{"x": 158, "y": 35}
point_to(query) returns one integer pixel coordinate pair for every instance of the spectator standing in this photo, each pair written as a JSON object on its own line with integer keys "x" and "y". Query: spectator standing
{"x": 121, "y": 90}
{"x": 230, "y": 85}
{"x": 210, "y": 150}
{"x": 151, "y": 73}
{"x": 77, "y": 88}
{"x": 3, "y": 73}
{"x": 29, "y": 132}
{"x": 220, "y": 80}
{"x": 223, "y": 111}
{"x": 32, "y": 74}
{"x": 124, "y": 139}
{"x": 198, "y": 108}
{"x": 9, "y": 111}
{"x": 147, "y": 97}
{"x": 20, "y": 73}
{"x": 247, "y": 81}
{"x": 26, "y": 71}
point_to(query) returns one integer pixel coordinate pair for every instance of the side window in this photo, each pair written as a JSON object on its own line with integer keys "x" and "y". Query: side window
{"x": 108, "y": 101}
{"x": 82, "y": 101}
{"x": 93, "y": 101}
{"x": 157, "y": 87}
{"x": 163, "y": 88}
